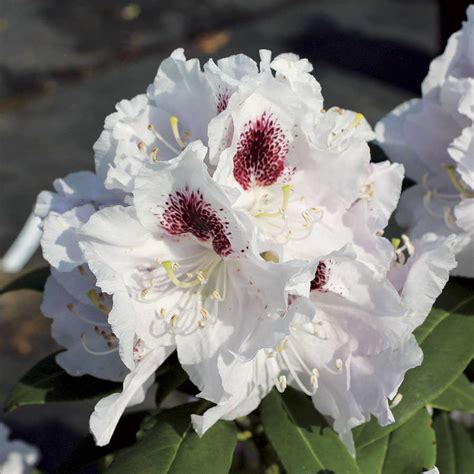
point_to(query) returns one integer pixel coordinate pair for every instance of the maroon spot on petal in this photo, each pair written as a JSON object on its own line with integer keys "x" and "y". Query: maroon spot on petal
{"x": 188, "y": 212}
{"x": 222, "y": 100}
{"x": 320, "y": 278}
{"x": 261, "y": 153}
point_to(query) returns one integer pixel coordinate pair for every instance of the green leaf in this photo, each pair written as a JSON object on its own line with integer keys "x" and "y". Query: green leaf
{"x": 47, "y": 382}
{"x": 171, "y": 446}
{"x": 458, "y": 396}
{"x": 169, "y": 381}
{"x": 409, "y": 449}
{"x": 87, "y": 453}
{"x": 34, "y": 280}
{"x": 301, "y": 437}
{"x": 446, "y": 341}
{"x": 371, "y": 458}
{"x": 455, "y": 449}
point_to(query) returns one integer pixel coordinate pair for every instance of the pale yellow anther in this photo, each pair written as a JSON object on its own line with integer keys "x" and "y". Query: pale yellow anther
{"x": 154, "y": 154}
{"x": 358, "y": 119}
{"x": 163, "y": 312}
{"x": 204, "y": 313}
{"x": 201, "y": 277}
{"x": 314, "y": 377}
{"x": 280, "y": 347}
{"x": 175, "y": 130}
{"x": 141, "y": 146}
{"x": 174, "y": 320}
{"x": 339, "y": 364}
{"x": 270, "y": 256}
{"x": 396, "y": 401}
{"x": 215, "y": 295}
{"x": 281, "y": 385}
{"x": 201, "y": 323}
{"x": 144, "y": 292}
{"x": 189, "y": 274}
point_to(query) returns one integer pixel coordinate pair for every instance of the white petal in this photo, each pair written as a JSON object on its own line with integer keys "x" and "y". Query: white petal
{"x": 109, "y": 410}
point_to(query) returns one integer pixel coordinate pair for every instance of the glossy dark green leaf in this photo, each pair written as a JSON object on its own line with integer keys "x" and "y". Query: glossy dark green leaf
{"x": 455, "y": 450}
{"x": 371, "y": 458}
{"x": 301, "y": 437}
{"x": 47, "y": 382}
{"x": 169, "y": 381}
{"x": 88, "y": 454}
{"x": 409, "y": 449}
{"x": 458, "y": 396}
{"x": 446, "y": 341}
{"x": 34, "y": 280}
{"x": 171, "y": 446}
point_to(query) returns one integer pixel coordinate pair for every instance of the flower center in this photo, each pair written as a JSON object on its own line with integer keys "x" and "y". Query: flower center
{"x": 188, "y": 212}
{"x": 261, "y": 153}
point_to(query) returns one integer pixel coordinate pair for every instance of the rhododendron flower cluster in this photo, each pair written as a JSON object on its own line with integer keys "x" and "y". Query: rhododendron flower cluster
{"x": 234, "y": 220}
{"x": 434, "y": 138}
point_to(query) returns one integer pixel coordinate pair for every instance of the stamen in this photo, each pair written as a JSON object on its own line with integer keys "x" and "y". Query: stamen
{"x": 398, "y": 398}
{"x": 286, "y": 191}
{"x": 408, "y": 245}
{"x": 174, "y": 129}
{"x": 357, "y": 120}
{"x": 280, "y": 347}
{"x": 82, "y": 270}
{"x": 170, "y": 267}
{"x": 141, "y": 146}
{"x": 90, "y": 351}
{"x": 281, "y": 383}
{"x": 269, "y": 256}
{"x": 215, "y": 295}
{"x": 395, "y": 243}
{"x": 174, "y": 320}
{"x": 204, "y": 313}
{"x": 314, "y": 378}
{"x": 457, "y": 183}
{"x": 339, "y": 365}
{"x": 449, "y": 218}
{"x": 154, "y": 154}
{"x": 95, "y": 299}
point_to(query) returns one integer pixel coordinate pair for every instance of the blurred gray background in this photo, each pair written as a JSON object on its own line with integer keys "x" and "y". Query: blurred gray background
{"x": 65, "y": 63}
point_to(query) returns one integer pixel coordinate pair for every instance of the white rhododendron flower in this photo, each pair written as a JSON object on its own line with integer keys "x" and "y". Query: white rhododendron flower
{"x": 16, "y": 457}
{"x": 352, "y": 356}
{"x": 179, "y": 260}
{"x": 78, "y": 308}
{"x": 80, "y": 325}
{"x": 235, "y": 220}
{"x": 434, "y": 138}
